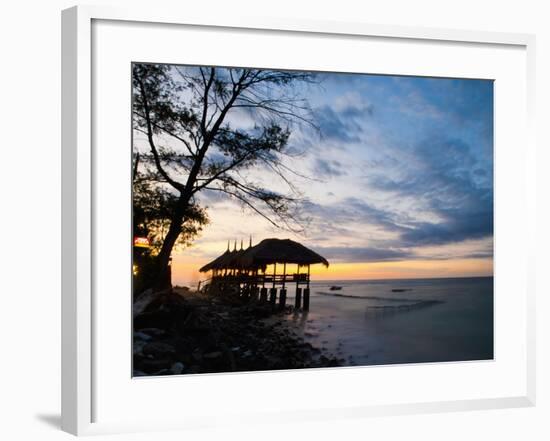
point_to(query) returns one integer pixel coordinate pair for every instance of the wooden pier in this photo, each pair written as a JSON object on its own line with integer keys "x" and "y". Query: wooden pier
{"x": 255, "y": 273}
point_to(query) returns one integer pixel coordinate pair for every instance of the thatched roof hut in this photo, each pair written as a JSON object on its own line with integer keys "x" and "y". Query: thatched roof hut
{"x": 218, "y": 262}
{"x": 228, "y": 260}
{"x": 267, "y": 252}
{"x": 271, "y": 251}
{"x": 245, "y": 271}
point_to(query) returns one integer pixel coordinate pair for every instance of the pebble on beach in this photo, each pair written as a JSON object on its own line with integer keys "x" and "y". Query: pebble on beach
{"x": 188, "y": 334}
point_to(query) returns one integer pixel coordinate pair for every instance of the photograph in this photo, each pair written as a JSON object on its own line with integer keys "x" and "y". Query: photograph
{"x": 286, "y": 219}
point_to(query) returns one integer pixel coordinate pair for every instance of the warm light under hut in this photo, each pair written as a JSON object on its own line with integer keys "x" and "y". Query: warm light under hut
{"x": 243, "y": 272}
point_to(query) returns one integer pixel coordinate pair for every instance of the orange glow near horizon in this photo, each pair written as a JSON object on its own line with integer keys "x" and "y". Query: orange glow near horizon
{"x": 406, "y": 269}
{"x": 185, "y": 270}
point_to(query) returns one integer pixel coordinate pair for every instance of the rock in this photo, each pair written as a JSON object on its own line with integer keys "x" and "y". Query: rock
{"x": 177, "y": 368}
{"x": 275, "y": 362}
{"x": 177, "y": 335}
{"x": 147, "y": 365}
{"x": 138, "y": 347}
{"x": 144, "y": 300}
{"x": 153, "y": 332}
{"x": 194, "y": 369}
{"x": 155, "y": 319}
{"x": 139, "y": 335}
{"x": 212, "y": 355}
{"x": 158, "y": 348}
{"x": 137, "y": 373}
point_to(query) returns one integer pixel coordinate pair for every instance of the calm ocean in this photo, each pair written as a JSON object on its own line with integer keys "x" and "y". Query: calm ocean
{"x": 401, "y": 321}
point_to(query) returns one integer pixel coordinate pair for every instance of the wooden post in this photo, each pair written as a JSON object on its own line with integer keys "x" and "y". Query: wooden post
{"x": 272, "y": 295}
{"x": 255, "y": 291}
{"x": 282, "y": 298}
{"x": 263, "y": 294}
{"x": 274, "y": 273}
{"x": 284, "y": 274}
{"x": 306, "y": 291}
{"x": 306, "y": 299}
{"x": 298, "y": 301}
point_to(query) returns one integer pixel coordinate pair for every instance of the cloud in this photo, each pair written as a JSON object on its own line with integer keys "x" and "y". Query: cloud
{"x": 348, "y": 211}
{"x": 343, "y": 121}
{"x": 335, "y": 127}
{"x": 416, "y": 105}
{"x": 362, "y": 254}
{"x": 328, "y": 168}
{"x": 356, "y": 254}
{"x": 443, "y": 182}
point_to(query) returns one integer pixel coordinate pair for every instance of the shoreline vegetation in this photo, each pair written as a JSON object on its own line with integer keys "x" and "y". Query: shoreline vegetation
{"x": 180, "y": 331}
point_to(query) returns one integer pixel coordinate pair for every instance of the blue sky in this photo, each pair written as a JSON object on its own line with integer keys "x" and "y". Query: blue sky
{"x": 402, "y": 170}
{"x": 420, "y": 152}
{"x": 406, "y": 165}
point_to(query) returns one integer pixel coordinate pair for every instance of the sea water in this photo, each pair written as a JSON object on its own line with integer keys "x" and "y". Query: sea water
{"x": 400, "y": 321}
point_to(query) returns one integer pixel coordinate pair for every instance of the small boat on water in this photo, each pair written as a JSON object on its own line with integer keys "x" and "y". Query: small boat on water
{"x": 335, "y": 288}
{"x": 401, "y": 289}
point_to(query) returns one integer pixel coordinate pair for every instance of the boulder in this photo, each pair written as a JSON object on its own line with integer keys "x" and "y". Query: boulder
{"x": 177, "y": 368}
{"x": 213, "y": 355}
{"x": 140, "y": 335}
{"x": 158, "y": 348}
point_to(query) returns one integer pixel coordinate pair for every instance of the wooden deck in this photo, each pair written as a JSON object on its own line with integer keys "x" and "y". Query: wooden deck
{"x": 270, "y": 288}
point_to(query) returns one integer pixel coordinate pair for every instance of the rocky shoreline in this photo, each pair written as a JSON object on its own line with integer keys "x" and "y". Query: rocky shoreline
{"x": 182, "y": 332}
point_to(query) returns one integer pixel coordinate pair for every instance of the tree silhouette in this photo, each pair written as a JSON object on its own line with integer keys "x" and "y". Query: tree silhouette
{"x": 194, "y": 145}
{"x": 153, "y": 206}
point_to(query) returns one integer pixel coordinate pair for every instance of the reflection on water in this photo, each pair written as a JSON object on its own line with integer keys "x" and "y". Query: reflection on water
{"x": 405, "y": 321}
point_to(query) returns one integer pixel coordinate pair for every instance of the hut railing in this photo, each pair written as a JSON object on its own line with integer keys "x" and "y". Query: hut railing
{"x": 260, "y": 279}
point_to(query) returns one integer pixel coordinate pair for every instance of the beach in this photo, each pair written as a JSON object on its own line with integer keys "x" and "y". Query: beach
{"x": 181, "y": 331}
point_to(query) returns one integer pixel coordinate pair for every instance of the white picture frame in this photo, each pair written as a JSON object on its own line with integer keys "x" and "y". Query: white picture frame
{"x": 80, "y": 381}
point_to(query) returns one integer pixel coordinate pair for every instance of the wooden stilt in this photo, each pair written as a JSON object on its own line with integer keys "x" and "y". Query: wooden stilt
{"x": 306, "y": 291}
{"x": 282, "y": 298}
{"x": 273, "y": 295}
{"x": 306, "y": 299}
{"x": 298, "y": 301}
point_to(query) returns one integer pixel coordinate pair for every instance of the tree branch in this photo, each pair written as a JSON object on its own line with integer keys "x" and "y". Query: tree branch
{"x": 151, "y": 141}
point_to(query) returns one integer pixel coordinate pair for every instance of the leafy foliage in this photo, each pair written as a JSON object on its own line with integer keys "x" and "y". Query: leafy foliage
{"x": 188, "y": 116}
{"x": 153, "y": 208}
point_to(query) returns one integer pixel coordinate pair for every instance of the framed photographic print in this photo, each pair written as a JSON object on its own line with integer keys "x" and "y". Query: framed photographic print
{"x": 279, "y": 206}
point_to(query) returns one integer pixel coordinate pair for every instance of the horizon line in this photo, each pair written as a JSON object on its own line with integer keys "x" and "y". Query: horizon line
{"x": 387, "y": 279}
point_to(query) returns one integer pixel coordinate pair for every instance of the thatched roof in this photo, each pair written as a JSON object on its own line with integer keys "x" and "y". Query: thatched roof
{"x": 267, "y": 252}
{"x": 233, "y": 260}
{"x": 270, "y": 251}
{"x": 229, "y": 260}
{"x": 217, "y": 262}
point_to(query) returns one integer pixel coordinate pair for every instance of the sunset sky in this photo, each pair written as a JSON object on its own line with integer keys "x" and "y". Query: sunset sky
{"x": 398, "y": 184}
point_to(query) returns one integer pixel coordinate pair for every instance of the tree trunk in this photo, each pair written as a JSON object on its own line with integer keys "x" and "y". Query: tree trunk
{"x": 163, "y": 258}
